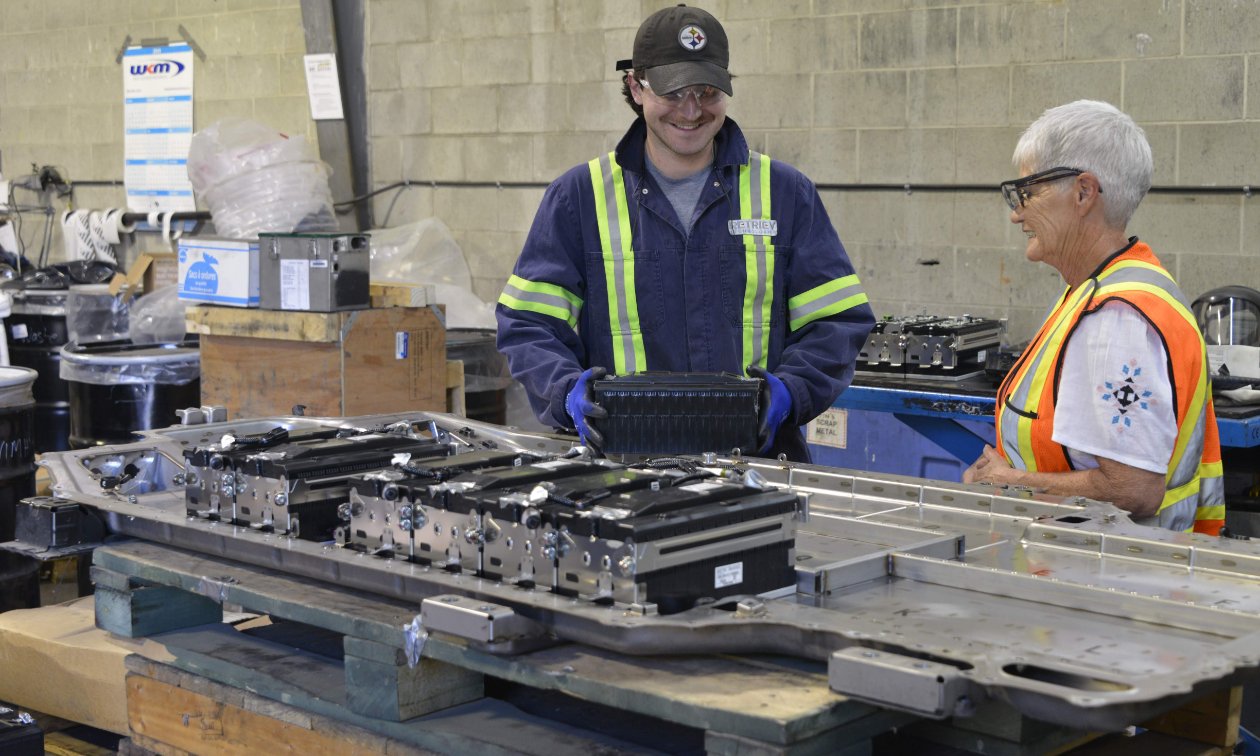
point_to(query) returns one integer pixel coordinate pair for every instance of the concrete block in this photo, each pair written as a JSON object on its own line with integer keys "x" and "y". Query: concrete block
{"x": 756, "y": 140}
{"x": 909, "y": 39}
{"x": 860, "y": 99}
{"x": 556, "y": 153}
{"x": 253, "y": 76}
{"x": 462, "y": 19}
{"x": 467, "y": 208}
{"x": 981, "y": 220}
{"x": 1199, "y": 274}
{"x": 1021, "y": 33}
{"x": 892, "y": 156}
{"x": 1213, "y": 27}
{"x": 1036, "y": 88}
{"x": 142, "y": 10}
{"x": 292, "y": 74}
{"x": 517, "y": 208}
{"x": 716, "y": 7}
{"x": 414, "y": 204}
{"x": 1002, "y": 277}
{"x": 188, "y": 8}
{"x": 430, "y": 158}
{"x": 229, "y": 34}
{"x": 206, "y": 112}
{"x": 596, "y": 15}
{"x": 984, "y": 154}
{"x": 430, "y": 64}
{"x": 533, "y": 108}
{"x": 749, "y": 41}
{"x": 802, "y": 45}
{"x": 502, "y": 157}
{"x": 536, "y": 16}
{"x": 890, "y": 271}
{"x": 1218, "y": 153}
{"x": 1197, "y": 224}
{"x": 1123, "y": 29}
{"x": 280, "y": 31}
{"x": 1184, "y": 89}
{"x": 598, "y": 106}
{"x": 465, "y": 110}
{"x": 1163, "y": 141}
{"x": 959, "y": 96}
{"x": 399, "y": 112}
{"x": 619, "y": 45}
{"x": 385, "y": 153}
{"x": 746, "y": 9}
{"x": 492, "y": 253}
{"x": 235, "y": 5}
{"x": 63, "y": 14}
{"x": 1251, "y": 232}
{"x": 290, "y": 115}
{"x": 826, "y": 156}
{"x": 890, "y": 218}
{"x": 567, "y": 58}
{"x": 54, "y": 128}
{"x": 499, "y": 62}
{"x": 772, "y": 102}
{"x": 397, "y": 21}
{"x": 22, "y": 16}
{"x": 833, "y": 7}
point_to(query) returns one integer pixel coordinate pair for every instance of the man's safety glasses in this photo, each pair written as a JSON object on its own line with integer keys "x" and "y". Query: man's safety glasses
{"x": 706, "y": 96}
{"x": 1015, "y": 191}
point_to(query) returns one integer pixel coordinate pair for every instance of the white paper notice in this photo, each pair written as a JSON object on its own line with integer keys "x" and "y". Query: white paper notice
{"x": 158, "y": 119}
{"x": 728, "y": 574}
{"x": 295, "y": 285}
{"x": 831, "y": 428}
{"x": 323, "y": 87}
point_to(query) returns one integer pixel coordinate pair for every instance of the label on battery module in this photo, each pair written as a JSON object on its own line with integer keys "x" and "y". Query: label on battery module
{"x": 19, "y": 331}
{"x": 701, "y": 487}
{"x": 295, "y": 285}
{"x": 728, "y": 574}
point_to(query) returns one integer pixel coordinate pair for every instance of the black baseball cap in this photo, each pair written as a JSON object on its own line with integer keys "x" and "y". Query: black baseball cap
{"x": 681, "y": 47}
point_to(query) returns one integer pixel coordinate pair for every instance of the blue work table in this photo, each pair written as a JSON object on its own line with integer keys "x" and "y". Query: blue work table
{"x": 933, "y": 409}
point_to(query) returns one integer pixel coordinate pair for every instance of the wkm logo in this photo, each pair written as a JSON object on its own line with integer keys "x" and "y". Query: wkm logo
{"x": 160, "y": 68}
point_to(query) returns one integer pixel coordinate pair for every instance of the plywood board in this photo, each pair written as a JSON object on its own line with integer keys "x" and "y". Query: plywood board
{"x": 212, "y": 320}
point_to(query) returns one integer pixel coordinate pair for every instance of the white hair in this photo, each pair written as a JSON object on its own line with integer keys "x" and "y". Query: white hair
{"x": 1095, "y": 137}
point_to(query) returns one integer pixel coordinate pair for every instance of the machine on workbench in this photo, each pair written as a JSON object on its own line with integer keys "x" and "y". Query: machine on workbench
{"x": 925, "y": 346}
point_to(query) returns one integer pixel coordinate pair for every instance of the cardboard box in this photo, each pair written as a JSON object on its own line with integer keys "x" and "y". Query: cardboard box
{"x": 219, "y": 271}
{"x": 151, "y": 271}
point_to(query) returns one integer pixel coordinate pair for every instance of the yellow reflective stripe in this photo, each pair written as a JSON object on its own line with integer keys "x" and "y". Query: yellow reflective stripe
{"x": 1134, "y": 264}
{"x": 1179, "y": 493}
{"x": 543, "y": 298}
{"x": 1211, "y": 470}
{"x": 1049, "y": 346}
{"x": 1157, "y": 291}
{"x": 1210, "y": 513}
{"x": 837, "y": 295}
{"x": 617, "y": 248}
{"x": 754, "y": 204}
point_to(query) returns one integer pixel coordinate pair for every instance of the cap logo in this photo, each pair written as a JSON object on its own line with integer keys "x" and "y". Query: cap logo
{"x": 693, "y": 38}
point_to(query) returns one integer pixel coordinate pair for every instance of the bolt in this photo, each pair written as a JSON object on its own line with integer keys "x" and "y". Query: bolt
{"x": 132, "y": 498}
{"x": 404, "y": 511}
{"x": 343, "y": 511}
{"x": 549, "y": 538}
{"x": 281, "y": 499}
{"x": 404, "y": 524}
{"x": 178, "y": 479}
{"x": 390, "y": 492}
{"x": 548, "y": 552}
{"x": 626, "y": 565}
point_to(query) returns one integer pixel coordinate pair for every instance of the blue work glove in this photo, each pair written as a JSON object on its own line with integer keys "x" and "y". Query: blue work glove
{"x": 582, "y": 407}
{"x": 776, "y": 403}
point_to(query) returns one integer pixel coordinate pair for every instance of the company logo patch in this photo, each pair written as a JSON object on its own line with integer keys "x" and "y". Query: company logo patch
{"x": 693, "y": 38}
{"x": 162, "y": 69}
{"x": 753, "y": 227}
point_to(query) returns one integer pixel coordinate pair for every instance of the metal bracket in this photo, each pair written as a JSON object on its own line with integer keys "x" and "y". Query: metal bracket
{"x": 476, "y": 621}
{"x": 122, "y": 50}
{"x": 196, "y": 48}
{"x": 441, "y": 316}
{"x": 345, "y": 329}
{"x": 923, "y": 687}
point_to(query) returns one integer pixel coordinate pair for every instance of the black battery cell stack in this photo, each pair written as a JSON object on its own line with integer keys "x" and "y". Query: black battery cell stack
{"x": 679, "y": 413}
{"x": 19, "y": 738}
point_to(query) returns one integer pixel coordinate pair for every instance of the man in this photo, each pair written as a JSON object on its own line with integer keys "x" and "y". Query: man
{"x": 1111, "y": 399}
{"x": 683, "y": 251}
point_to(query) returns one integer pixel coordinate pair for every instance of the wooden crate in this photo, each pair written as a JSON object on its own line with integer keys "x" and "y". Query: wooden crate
{"x": 263, "y": 362}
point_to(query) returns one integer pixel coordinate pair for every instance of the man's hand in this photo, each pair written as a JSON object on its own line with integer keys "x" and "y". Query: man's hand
{"x": 582, "y": 407}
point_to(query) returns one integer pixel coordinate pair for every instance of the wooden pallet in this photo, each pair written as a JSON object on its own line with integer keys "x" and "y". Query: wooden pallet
{"x": 156, "y": 595}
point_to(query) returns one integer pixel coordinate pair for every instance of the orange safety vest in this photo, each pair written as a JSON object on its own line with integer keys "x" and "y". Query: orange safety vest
{"x": 1194, "y": 495}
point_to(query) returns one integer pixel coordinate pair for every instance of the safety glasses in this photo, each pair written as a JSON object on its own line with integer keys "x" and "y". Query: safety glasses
{"x": 705, "y": 96}
{"x": 1015, "y": 191}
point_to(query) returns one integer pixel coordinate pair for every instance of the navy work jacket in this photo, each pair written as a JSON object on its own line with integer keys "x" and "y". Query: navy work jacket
{"x": 690, "y": 290}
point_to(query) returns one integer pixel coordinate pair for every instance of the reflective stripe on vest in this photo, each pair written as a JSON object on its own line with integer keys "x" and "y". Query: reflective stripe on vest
{"x": 754, "y": 204}
{"x": 837, "y": 295}
{"x": 543, "y": 298}
{"x": 613, "y": 217}
{"x": 1193, "y": 495}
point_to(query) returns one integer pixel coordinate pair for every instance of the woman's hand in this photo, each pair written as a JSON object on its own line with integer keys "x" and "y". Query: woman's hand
{"x": 991, "y": 467}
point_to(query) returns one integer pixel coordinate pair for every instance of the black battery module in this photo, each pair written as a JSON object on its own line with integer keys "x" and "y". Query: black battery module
{"x": 679, "y": 413}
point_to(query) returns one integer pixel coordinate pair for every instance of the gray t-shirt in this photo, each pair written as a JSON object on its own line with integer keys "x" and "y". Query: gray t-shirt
{"x": 682, "y": 193}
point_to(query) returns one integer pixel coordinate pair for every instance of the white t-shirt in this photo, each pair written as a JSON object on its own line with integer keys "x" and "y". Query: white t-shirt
{"x": 1115, "y": 398}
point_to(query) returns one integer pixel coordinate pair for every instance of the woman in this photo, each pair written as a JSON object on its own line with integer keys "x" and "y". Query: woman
{"x": 1111, "y": 399}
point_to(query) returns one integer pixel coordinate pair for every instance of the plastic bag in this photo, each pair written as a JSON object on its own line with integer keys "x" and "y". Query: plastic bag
{"x": 485, "y": 368}
{"x": 93, "y": 314}
{"x": 256, "y": 179}
{"x": 157, "y": 364}
{"x": 423, "y": 252}
{"x": 158, "y": 317}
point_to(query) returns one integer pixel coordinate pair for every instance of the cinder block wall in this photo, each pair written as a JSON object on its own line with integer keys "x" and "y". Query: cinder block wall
{"x": 848, "y": 91}
{"x": 61, "y": 89}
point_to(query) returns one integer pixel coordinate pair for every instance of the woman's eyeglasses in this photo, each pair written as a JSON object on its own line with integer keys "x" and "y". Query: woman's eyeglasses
{"x": 1015, "y": 191}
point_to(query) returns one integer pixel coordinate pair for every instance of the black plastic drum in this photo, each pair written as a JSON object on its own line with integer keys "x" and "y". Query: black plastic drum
{"x": 17, "y": 450}
{"x": 36, "y": 332}
{"x": 117, "y": 388}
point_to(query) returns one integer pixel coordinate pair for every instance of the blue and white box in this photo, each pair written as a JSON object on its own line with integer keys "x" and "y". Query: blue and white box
{"x": 219, "y": 271}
